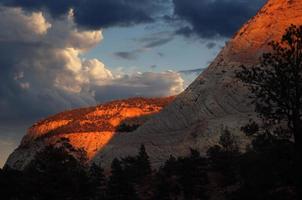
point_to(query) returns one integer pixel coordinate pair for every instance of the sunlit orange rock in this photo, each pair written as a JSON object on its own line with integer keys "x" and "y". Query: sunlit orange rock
{"x": 195, "y": 119}
{"x": 269, "y": 24}
{"x": 86, "y": 128}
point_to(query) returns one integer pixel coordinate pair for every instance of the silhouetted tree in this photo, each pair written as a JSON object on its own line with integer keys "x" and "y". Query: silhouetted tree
{"x": 182, "y": 178}
{"x": 224, "y": 156}
{"x": 143, "y": 162}
{"x": 228, "y": 141}
{"x": 193, "y": 176}
{"x": 54, "y": 173}
{"x": 276, "y": 84}
{"x": 97, "y": 181}
{"x": 171, "y": 166}
{"x": 276, "y": 87}
{"x": 13, "y": 185}
{"x": 119, "y": 187}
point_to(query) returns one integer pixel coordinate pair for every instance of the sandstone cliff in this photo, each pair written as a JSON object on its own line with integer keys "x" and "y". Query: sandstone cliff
{"x": 194, "y": 119}
{"x": 215, "y": 99}
{"x": 87, "y": 128}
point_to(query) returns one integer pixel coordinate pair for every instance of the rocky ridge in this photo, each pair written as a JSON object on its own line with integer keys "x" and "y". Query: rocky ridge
{"x": 214, "y": 101}
{"x": 86, "y": 128}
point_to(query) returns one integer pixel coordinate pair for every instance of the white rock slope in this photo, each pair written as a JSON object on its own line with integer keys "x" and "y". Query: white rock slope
{"x": 215, "y": 99}
{"x": 195, "y": 118}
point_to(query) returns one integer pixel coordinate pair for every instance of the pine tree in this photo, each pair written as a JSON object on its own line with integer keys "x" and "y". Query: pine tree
{"x": 228, "y": 142}
{"x": 97, "y": 181}
{"x": 276, "y": 85}
{"x": 119, "y": 187}
{"x": 143, "y": 162}
{"x": 55, "y": 174}
{"x": 193, "y": 176}
{"x": 276, "y": 91}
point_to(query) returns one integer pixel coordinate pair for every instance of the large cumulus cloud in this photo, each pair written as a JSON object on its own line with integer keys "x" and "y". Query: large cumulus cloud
{"x": 96, "y": 14}
{"x": 214, "y": 18}
{"x": 43, "y": 69}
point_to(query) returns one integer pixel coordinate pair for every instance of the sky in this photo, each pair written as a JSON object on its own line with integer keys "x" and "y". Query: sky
{"x": 57, "y": 55}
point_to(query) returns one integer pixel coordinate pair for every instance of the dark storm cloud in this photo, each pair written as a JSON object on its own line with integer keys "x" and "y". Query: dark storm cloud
{"x": 95, "y": 14}
{"x": 157, "y": 41}
{"x": 212, "y": 18}
{"x": 42, "y": 73}
{"x": 160, "y": 54}
{"x": 146, "y": 43}
{"x": 211, "y": 45}
{"x": 56, "y": 8}
{"x": 127, "y": 55}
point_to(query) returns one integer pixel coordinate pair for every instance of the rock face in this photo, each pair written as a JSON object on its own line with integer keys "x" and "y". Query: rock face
{"x": 87, "y": 128}
{"x": 215, "y": 100}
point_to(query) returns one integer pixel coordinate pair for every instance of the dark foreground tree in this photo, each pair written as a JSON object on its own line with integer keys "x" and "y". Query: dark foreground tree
{"x": 182, "y": 178}
{"x": 119, "y": 186}
{"x": 143, "y": 163}
{"x": 224, "y": 157}
{"x": 276, "y": 85}
{"x": 56, "y": 174}
{"x": 97, "y": 182}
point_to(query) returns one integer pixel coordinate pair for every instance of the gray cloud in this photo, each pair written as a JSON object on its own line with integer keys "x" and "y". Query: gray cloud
{"x": 128, "y": 55}
{"x": 160, "y": 54}
{"x": 42, "y": 70}
{"x": 211, "y": 45}
{"x": 95, "y": 14}
{"x": 147, "y": 84}
{"x": 146, "y": 43}
{"x": 213, "y": 18}
{"x": 156, "y": 39}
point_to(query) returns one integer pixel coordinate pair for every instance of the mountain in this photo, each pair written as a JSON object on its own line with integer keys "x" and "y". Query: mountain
{"x": 214, "y": 101}
{"x": 88, "y": 128}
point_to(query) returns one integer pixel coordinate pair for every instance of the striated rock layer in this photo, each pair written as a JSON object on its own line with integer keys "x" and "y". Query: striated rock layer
{"x": 215, "y": 100}
{"x": 87, "y": 128}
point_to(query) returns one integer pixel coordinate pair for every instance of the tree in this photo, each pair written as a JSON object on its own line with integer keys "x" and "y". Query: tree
{"x": 97, "y": 181}
{"x": 119, "y": 187}
{"x": 56, "y": 174}
{"x": 13, "y": 185}
{"x": 143, "y": 162}
{"x": 228, "y": 141}
{"x": 193, "y": 176}
{"x": 276, "y": 85}
{"x": 223, "y": 157}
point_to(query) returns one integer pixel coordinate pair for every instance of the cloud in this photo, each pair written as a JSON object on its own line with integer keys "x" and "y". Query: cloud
{"x": 160, "y": 54}
{"x": 156, "y": 39}
{"x": 213, "y": 18}
{"x": 211, "y": 45}
{"x": 146, "y": 43}
{"x": 147, "y": 84}
{"x": 191, "y": 71}
{"x": 43, "y": 70}
{"x": 22, "y": 27}
{"x": 95, "y": 14}
{"x": 128, "y": 55}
